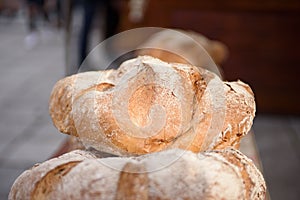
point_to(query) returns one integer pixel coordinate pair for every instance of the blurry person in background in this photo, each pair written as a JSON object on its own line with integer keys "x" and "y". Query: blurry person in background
{"x": 59, "y": 13}
{"x": 111, "y": 20}
{"x": 35, "y": 8}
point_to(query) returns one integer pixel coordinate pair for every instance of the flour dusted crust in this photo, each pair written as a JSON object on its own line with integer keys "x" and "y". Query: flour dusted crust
{"x": 253, "y": 180}
{"x": 240, "y": 112}
{"x": 30, "y": 183}
{"x": 63, "y": 94}
{"x": 222, "y": 174}
{"x": 148, "y": 105}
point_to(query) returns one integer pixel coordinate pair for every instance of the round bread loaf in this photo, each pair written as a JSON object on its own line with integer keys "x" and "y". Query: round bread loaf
{"x": 148, "y": 105}
{"x": 170, "y": 174}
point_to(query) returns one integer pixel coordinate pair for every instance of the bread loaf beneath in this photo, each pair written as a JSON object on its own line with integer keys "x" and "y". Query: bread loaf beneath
{"x": 148, "y": 105}
{"x": 170, "y": 174}
{"x": 41, "y": 178}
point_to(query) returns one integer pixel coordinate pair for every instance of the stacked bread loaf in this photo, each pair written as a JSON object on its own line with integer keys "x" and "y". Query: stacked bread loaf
{"x": 111, "y": 110}
{"x": 179, "y": 123}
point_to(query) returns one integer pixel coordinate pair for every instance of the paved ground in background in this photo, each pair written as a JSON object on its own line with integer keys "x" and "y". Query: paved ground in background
{"x": 27, "y": 135}
{"x": 27, "y": 76}
{"x": 278, "y": 140}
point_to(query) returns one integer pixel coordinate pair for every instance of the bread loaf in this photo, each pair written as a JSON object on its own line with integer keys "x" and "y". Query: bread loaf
{"x": 148, "y": 105}
{"x": 192, "y": 47}
{"x": 46, "y": 175}
{"x": 171, "y": 174}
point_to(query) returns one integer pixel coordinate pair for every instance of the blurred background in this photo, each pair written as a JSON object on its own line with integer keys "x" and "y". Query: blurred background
{"x": 41, "y": 41}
